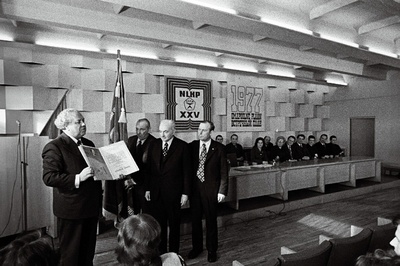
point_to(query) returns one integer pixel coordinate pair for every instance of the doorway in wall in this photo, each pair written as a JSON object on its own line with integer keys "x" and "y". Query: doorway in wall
{"x": 362, "y": 136}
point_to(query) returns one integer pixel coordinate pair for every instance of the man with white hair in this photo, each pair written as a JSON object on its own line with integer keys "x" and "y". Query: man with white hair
{"x": 168, "y": 183}
{"x": 77, "y": 196}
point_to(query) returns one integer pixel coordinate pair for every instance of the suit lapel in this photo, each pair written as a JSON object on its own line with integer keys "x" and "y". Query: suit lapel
{"x": 211, "y": 150}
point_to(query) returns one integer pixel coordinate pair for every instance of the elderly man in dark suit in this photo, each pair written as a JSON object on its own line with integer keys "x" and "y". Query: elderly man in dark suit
{"x": 210, "y": 186}
{"x": 168, "y": 183}
{"x": 77, "y": 196}
{"x": 139, "y": 145}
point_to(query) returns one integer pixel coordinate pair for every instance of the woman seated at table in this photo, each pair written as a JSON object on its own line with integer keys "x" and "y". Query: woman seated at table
{"x": 258, "y": 154}
{"x": 280, "y": 152}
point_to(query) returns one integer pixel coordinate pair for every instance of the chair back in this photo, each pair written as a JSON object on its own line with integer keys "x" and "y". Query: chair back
{"x": 310, "y": 257}
{"x": 345, "y": 251}
{"x": 381, "y": 237}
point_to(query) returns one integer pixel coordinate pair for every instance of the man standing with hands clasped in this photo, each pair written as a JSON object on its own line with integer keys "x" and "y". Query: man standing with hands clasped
{"x": 168, "y": 183}
{"x": 210, "y": 186}
{"x": 77, "y": 196}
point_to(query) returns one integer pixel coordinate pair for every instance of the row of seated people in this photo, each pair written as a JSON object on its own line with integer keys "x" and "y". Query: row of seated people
{"x": 292, "y": 149}
{"x": 372, "y": 246}
{"x": 138, "y": 242}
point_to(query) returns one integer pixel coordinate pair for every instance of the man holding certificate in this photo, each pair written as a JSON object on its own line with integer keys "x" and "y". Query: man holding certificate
{"x": 77, "y": 196}
{"x": 168, "y": 183}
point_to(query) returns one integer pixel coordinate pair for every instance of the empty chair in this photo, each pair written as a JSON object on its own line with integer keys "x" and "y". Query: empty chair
{"x": 381, "y": 237}
{"x": 317, "y": 256}
{"x": 346, "y": 250}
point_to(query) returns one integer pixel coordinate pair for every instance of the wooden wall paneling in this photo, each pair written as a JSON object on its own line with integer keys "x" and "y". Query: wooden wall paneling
{"x": 323, "y": 111}
{"x": 144, "y": 83}
{"x": 2, "y": 97}
{"x": 279, "y": 95}
{"x": 108, "y": 99}
{"x": 314, "y": 124}
{"x": 297, "y": 123}
{"x": 219, "y": 106}
{"x": 11, "y": 220}
{"x": 316, "y": 98}
{"x": 279, "y": 123}
{"x": 38, "y": 195}
{"x": 306, "y": 110}
{"x": 297, "y": 96}
{"x": 56, "y": 76}
{"x": 85, "y": 62}
{"x": 85, "y": 100}
{"x": 97, "y": 122}
{"x": 153, "y": 103}
{"x": 98, "y": 79}
{"x": 134, "y": 102}
{"x": 39, "y": 120}
{"x": 34, "y": 98}
{"x": 271, "y": 108}
{"x": 8, "y": 120}
{"x": 99, "y": 139}
{"x": 14, "y": 73}
{"x": 287, "y": 109}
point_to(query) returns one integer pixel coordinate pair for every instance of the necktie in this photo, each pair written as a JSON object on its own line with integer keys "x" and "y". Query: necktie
{"x": 290, "y": 151}
{"x": 202, "y": 159}
{"x": 139, "y": 151}
{"x": 165, "y": 150}
{"x": 79, "y": 142}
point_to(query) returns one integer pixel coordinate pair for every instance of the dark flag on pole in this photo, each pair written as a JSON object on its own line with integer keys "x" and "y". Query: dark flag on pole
{"x": 50, "y": 129}
{"x": 115, "y": 201}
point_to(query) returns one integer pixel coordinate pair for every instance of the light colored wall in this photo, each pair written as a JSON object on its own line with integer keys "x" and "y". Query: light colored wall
{"x": 367, "y": 98}
{"x": 29, "y": 92}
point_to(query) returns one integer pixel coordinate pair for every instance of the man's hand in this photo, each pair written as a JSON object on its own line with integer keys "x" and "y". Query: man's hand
{"x": 147, "y": 195}
{"x": 220, "y": 197}
{"x": 85, "y": 174}
{"x": 184, "y": 199}
{"x": 128, "y": 183}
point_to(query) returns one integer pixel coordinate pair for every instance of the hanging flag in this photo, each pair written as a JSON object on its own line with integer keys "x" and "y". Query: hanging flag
{"x": 50, "y": 129}
{"x": 115, "y": 199}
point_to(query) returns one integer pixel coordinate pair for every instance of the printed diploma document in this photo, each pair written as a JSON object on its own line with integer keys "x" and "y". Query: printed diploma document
{"x": 110, "y": 161}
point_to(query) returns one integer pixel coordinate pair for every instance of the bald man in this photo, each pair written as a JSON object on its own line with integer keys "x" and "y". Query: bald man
{"x": 168, "y": 183}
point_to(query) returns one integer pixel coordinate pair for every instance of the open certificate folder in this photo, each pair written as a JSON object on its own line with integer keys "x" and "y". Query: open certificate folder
{"x": 110, "y": 161}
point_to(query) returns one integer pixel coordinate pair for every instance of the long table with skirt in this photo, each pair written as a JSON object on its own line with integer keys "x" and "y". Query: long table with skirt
{"x": 276, "y": 181}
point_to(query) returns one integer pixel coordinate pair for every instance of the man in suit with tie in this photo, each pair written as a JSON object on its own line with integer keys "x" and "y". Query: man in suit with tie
{"x": 210, "y": 186}
{"x": 320, "y": 147}
{"x": 168, "y": 183}
{"x": 139, "y": 145}
{"x": 77, "y": 196}
{"x": 299, "y": 149}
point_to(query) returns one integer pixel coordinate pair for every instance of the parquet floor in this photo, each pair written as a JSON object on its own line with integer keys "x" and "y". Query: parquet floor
{"x": 257, "y": 241}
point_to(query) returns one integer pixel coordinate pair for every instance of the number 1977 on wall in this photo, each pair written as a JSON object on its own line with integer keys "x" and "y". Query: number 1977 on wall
{"x": 246, "y": 99}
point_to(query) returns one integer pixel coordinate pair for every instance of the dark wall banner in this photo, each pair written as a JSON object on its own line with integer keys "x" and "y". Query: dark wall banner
{"x": 188, "y": 102}
{"x": 245, "y": 108}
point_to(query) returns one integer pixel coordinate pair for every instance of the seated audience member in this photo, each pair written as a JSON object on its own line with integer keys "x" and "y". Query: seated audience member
{"x": 279, "y": 153}
{"x": 267, "y": 143}
{"x": 333, "y": 149}
{"x": 395, "y": 243}
{"x": 219, "y": 138}
{"x": 236, "y": 148}
{"x": 311, "y": 147}
{"x": 138, "y": 241}
{"x": 320, "y": 147}
{"x": 31, "y": 249}
{"x": 299, "y": 149}
{"x": 289, "y": 144}
{"x": 378, "y": 258}
{"x": 258, "y": 154}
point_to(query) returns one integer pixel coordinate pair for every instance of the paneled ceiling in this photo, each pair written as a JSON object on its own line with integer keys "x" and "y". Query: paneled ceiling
{"x": 305, "y": 39}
